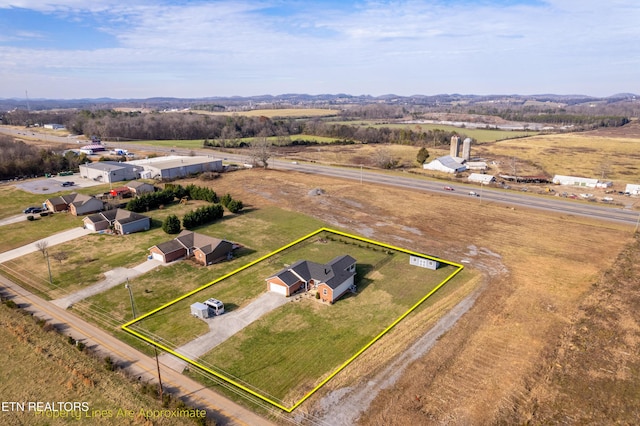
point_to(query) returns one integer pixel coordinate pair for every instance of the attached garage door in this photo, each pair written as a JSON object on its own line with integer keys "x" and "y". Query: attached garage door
{"x": 90, "y": 226}
{"x": 158, "y": 256}
{"x": 277, "y": 288}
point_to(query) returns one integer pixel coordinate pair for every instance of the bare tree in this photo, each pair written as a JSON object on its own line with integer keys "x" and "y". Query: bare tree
{"x": 383, "y": 159}
{"x": 42, "y": 246}
{"x": 261, "y": 150}
{"x": 60, "y": 256}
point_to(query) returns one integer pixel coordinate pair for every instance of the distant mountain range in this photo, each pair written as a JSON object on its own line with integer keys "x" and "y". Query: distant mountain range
{"x": 305, "y": 100}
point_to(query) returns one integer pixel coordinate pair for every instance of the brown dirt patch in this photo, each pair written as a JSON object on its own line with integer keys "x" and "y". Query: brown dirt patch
{"x": 538, "y": 267}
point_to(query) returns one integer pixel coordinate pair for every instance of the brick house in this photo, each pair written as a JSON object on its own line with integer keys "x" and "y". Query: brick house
{"x": 331, "y": 280}
{"x": 206, "y": 250}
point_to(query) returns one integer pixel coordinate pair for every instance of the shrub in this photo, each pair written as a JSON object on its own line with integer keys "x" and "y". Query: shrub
{"x": 171, "y": 224}
{"x": 109, "y": 365}
{"x": 30, "y": 217}
{"x": 202, "y": 215}
{"x": 235, "y": 206}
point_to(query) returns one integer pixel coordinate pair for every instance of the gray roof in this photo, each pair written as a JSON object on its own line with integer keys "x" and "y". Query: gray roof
{"x": 333, "y": 273}
{"x": 448, "y": 161}
{"x": 118, "y": 215}
{"x": 73, "y": 198}
{"x": 170, "y": 246}
{"x": 108, "y": 166}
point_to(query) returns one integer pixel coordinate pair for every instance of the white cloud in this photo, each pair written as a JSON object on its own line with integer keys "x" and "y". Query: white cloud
{"x": 405, "y": 47}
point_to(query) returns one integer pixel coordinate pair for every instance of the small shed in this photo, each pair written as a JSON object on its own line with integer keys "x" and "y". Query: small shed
{"x": 200, "y": 310}
{"x": 481, "y": 178}
{"x": 424, "y": 262}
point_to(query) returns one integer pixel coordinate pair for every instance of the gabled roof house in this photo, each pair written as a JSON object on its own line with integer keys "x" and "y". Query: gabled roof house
{"x": 123, "y": 221}
{"x": 332, "y": 280}
{"x": 205, "y": 249}
{"x": 76, "y": 204}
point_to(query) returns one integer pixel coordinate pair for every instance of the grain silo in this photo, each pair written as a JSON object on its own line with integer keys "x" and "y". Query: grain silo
{"x": 466, "y": 149}
{"x": 455, "y": 146}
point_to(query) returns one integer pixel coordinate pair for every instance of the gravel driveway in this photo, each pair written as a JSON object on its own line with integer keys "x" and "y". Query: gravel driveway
{"x": 224, "y": 326}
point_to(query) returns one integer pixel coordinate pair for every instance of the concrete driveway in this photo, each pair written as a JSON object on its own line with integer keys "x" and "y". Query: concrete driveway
{"x": 222, "y": 327}
{"x": 113, "y": 278}
{"x": 59, "y": 238}
{"x": 13, "y": 219}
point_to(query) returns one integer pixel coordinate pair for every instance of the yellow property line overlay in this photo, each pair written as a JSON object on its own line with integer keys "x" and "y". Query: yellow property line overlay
{"x": 126, "y": 327}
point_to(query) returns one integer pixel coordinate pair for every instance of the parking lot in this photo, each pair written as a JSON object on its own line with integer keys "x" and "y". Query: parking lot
{"x": 54, "y": 184}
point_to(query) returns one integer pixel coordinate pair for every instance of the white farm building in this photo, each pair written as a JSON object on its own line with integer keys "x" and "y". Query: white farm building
{"x": 580, "y": 181}
{"x": 447, "y": 164}
{"x": 481, "y": 178}
{"x": 632, "y": 189}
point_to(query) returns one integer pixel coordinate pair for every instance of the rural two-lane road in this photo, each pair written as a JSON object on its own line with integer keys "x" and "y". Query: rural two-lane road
{"x": 225, "y": 412}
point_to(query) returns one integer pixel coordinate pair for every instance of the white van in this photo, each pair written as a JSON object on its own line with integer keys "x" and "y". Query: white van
{"x": 215, "y": 306}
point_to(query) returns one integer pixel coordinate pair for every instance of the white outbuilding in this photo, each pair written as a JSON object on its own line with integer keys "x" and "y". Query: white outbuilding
{"x": 575, "y": 181}
{"x": 424, "y": 262}
{"x": 632, "y": 189}
{"x": 481, "y": 178}
{"x": 447, "y": 164}
{"x": 200, "y": 310}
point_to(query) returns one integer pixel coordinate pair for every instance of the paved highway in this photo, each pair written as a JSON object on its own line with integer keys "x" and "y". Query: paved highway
{"x": 512, "y": 198}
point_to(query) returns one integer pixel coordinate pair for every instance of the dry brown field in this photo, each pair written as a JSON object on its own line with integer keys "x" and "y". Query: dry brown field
{"x": 271, "y": 113}
{"x": 538, "y": 270}
{"x": 39, "y": 365}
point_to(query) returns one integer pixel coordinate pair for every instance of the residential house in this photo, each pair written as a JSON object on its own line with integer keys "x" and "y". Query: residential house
{"x": 205, "y": 249}
{"x": 76, "y": 204}
{"x": 123, "y": 221}
{"x": 331, "y": 280}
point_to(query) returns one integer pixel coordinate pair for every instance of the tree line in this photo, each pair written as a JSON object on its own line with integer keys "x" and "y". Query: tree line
{"x": 21, "y": 160}
{"x": 229, "y": 131}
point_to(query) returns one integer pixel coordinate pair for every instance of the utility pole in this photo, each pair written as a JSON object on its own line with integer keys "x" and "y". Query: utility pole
{"x": 155, "y": 349}
{"x": 46, "y": 255}
{"x": 133, "y": 305}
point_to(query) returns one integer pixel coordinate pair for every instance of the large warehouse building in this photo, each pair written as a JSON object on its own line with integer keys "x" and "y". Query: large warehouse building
{"x": 152, "y": 168}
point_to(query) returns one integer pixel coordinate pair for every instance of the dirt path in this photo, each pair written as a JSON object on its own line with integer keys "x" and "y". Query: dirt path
{"x": 344, "y": 406}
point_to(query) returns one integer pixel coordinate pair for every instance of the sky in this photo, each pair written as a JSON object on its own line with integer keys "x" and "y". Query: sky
{"x": 67, "y": 49}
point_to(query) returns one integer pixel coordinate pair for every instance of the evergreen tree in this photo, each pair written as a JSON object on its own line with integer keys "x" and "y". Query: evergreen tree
{"x": 422, "y": 156}
{"x": 171, "y": 224}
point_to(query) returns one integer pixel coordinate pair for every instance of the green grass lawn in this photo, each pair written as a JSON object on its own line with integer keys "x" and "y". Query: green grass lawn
{"x": 259, "y": 231}
{"x": 292, "y": 349}
{"x": 480, "y": 135}
{"x": 25, "y": 232}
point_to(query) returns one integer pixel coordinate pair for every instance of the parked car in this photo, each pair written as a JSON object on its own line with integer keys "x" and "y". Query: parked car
{"x": 448, "y": 188}
{"x": 32, "y": 210}
{"x": 67, "y": 183}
